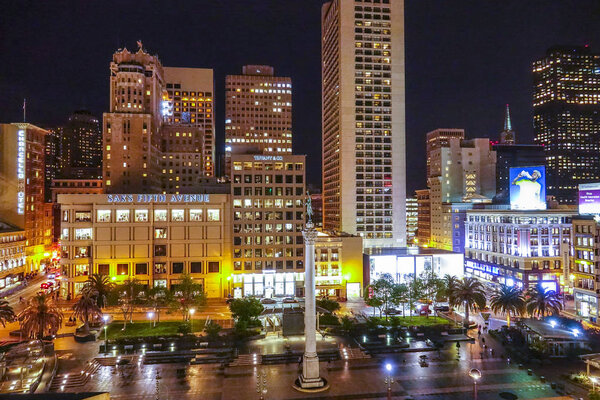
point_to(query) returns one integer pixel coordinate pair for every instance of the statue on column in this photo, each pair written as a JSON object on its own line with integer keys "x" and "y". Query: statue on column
{"x": 309, "y": 209}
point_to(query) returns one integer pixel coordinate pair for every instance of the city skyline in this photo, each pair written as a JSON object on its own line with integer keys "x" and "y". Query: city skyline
{"x": 509, "y": 37}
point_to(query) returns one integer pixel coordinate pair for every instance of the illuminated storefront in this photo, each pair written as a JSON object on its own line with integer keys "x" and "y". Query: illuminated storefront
{"x": 12, "y": 255}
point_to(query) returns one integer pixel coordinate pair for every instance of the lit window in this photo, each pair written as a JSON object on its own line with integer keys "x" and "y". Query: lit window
{"x": 195, "y": 215}
{"x": 177, "y": 215}
{"x": 141, "y": 215}
{"x": 160, "y": 215}
{"x": 213, "y": 215}
{"x": 103, "y": 216}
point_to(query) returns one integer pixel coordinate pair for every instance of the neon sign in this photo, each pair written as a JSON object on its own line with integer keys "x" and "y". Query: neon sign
{"x": 158, "y": 198}
{"x": 21, "y": 148}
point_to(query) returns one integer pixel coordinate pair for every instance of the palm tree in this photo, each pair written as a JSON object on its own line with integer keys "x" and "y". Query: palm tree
{"x": 6, "y": 313}
{"x": 85, "y": 308}
{"x": 40, "y": 317}
{"x": 470, "y": 293}
{"x": 98, "y": 286}
{"x": 449, "y": 282}
{"x": 541, "y": 302}
{"x": 507, "y": 300}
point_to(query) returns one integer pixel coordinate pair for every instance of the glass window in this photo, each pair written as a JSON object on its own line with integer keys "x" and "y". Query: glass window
{"x": 196, "y": 267}
{"x": 65, "y": 234}
{"x": 213, "y": 266}
{"x": 195, "y": 215}
{"x": 122, "y": 269}
{"x": 141, "y": 215}
{"x": 122, "y": 215}
{"x": 160, "y": 268}
{"x": 65, "y": 215}
{"x": 103, "y": 269}
{"x": 103, "y": 216}
{"x": 177, "y": 215}
{"x": 83, "y": 234}
{"x": 160, "y": 233}
{"x": 141, "y": 268}
{"x": 160, "y": 250}
{"x": 177, "y": 267}
{"x": 214, "y": 215}
{"x": 83, "y": 216}
{"x": 160, "y": 215}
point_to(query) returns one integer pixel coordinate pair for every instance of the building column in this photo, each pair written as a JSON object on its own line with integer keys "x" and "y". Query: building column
{"x": 310, "y": 377}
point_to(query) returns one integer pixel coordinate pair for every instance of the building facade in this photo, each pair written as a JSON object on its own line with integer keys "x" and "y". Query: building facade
{"x": 584, "y": 272}
{"x": 412, "y": 220}
{"x": 440, "y": 138}
{"x": 363, "y": 120}
{"x": 521, "y": 248}
{"x": 152, "y": 238}
{"x": 460, "y": 171}
{"x": 22, "y": 183}
{"x": 566, "y": 118}
{"x": 268, "y": 194}
{"x": 423, "y": 217}
{"x": 81, "y": 147}
{"x": 258, "y": 113}
{"x": 12, "y": 256}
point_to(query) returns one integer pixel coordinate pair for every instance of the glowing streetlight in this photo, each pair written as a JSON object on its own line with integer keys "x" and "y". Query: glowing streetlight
{"x": 105, "y": 319}
{"x": 192, "y": 311}
{"x": 475, "y": 374}
{"x": 594, "y": 380}
{"x": 575, "y": 332}
{"x": 151, "y": 317}
{"x": 389, "y": 381}
{"x": 553, "y": 323}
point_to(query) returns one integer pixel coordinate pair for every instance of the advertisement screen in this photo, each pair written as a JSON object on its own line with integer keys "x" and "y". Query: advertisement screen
{"x": 528, "y": 188}
{"x": 589, "y": 198}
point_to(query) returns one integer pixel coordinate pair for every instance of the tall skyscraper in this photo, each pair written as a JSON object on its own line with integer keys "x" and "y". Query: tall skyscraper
{"x": 52, "y": 159}
{"x": 190, "y": 95}
{"x": 258, "y": 113}
{"x": 566, "y": 118}
{"x": 81, "y": 147}
{"x": 363, "y": 120}
{"x": 507, "y": 136}
{"x": 440, "y": 138}
{"x": 158, "y": 136}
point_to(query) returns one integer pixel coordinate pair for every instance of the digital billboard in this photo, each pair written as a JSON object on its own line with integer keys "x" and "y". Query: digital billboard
{"x": 528, "y": 188}
{"x": 589, "y": 198}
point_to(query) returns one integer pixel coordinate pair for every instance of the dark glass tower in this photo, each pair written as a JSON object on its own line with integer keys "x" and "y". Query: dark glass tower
{"x": 566, "y": 118}
{"x": 81, "y": 150}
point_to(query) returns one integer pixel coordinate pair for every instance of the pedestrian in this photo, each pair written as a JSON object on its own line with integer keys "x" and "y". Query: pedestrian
{"x": 483, "y": 340}
{"x": 492, "y": 351}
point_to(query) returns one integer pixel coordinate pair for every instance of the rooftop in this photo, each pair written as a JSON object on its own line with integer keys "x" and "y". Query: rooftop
{"x": 545, "y": 329}
{"x": 407, "y": 251}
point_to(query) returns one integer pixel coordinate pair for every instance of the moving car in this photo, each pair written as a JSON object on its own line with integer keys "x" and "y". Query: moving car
{"x": 47, "y": 285}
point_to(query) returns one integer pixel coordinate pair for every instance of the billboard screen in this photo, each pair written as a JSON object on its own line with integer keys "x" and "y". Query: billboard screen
{"x": 528, "y": 188}
{"x": 589, "y": 198}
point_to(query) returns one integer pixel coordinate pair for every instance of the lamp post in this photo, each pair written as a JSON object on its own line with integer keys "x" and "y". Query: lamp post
{"x": 192, "y": 311}
{"x": 105, "y": 319}
{"x": 594, "y": 380}
{"x": 389, "y": 381}
{"x": 475, "y": 374}
{"x": 151, "y": 317}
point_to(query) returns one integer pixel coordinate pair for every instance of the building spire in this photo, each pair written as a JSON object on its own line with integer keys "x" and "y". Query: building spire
{"x": 507, "y": 124}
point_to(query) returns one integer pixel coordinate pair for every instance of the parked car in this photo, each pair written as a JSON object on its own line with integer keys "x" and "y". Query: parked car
{"x": 392, "y": 311}
{"x": 290, "y": 300}
{"x": 268, "y": 300}
{"x": 441, "y": 308}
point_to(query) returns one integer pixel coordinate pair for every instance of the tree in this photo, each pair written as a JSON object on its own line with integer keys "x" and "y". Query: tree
{"x": 188, "y": 294}
{"x": 400, "y": 295}
{"x": 379, "y": 293}
{"x": 125, "y": 295}
{"x": 507, "y": 300}
{"x": 212, "y": 330}
{"x": 415, "y": 292}
{"x": 449, "y": 283}
{"x": 541, "y": 302}
{"x": 594, "y": 395}
{"x": 40, "y": 318}
{"x": 7, "y": 314}
{"x": 160, "y": 297}
{"x": 329, "y": 305}
{"x": 346, "y": 324}
{"x": 470, "y": 293}
{"x": 432, "y": 285}
{"x": 98, "y": 286}
{"x": 85, "y": 308}
{"x": 246, "y": 309}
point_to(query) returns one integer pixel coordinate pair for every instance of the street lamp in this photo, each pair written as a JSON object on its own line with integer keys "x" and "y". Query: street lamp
{"x": 389, "y": 381}
{"x": 594, "y": 380}
{"x": 151, "y": 317}
{"x": 105, "y": 319}
{"x": 192, "y": 311}
{"x": 475, "y": 374}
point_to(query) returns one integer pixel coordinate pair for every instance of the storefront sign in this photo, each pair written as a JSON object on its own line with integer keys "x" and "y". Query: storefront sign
{"x": 158, "y": 198}
{"x": 21, "y": 148}
{"x": 268, "y": 158}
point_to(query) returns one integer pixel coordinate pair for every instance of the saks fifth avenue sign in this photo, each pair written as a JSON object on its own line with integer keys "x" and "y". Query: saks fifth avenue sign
{"x": 158, "y": 198}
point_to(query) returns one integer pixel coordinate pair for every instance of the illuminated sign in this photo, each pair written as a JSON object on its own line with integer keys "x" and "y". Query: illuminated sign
{"x": 528, "y": 188}
{"x": 166, "y": 108}
{"x": 158, "y": 198}
{"x": 21, "y": 148}
{"x": 268, "y": 158}
{"x": 551, "y": 286}
{"x": 589, "y": 198}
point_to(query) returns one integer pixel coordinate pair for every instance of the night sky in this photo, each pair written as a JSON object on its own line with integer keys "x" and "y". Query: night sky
{"x": 465, "y": 58}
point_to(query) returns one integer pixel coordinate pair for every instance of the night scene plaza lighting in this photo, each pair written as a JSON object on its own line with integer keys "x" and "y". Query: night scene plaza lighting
{"x": 317, "y": 199}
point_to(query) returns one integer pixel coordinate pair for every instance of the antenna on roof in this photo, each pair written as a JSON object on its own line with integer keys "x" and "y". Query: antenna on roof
{"x": 24, "y": 110}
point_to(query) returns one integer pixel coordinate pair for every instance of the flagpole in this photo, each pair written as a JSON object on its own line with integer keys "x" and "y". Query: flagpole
{"x": 24, "y": 110}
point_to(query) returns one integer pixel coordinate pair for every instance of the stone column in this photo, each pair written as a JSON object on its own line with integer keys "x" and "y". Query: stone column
{"x": 310, "y": 377}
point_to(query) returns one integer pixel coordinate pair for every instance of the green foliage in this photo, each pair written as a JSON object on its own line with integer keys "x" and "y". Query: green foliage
{"x": 541, "y": 302}
{"x": 508, "y": 300}
{"x": 246, "y": 309}
{"x": 379, "y": 293}
{"x": 328, "y": 319}
{"x": 99, "y": 286}
{"x": 346, "y": 324}
{"x": 329, "y": 305}
{"x": 185, "y": 328}
{"x": 212, "y": 330}
{"x": 86, "y": 308}
{"x": 470, "y": 293}
{"x": 188, "y": 294}
{"x": 41, "y": 317}
{"x": 594, "y": 395}
{"x": 146, "y": 329}
{"x": 7, "y": 313}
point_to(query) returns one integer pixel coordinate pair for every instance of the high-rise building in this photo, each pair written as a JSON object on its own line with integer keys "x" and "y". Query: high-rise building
{"x": 412, "y": 219}
{"x": 460, "y": 171}
{"x": 258, "y": 113}
{"x": 423, "y": 217}
{"x": 507, "y": 136}
{"x": 566, "y": 118}
{"x": 190, "y": 95}
{"x": 363, "y": 118}
{"x": 81, "y": 147}
{"x": 52, "y": 159}
{"x": 582, "y": 274}
{"x": 159, "y": 133}
{"x": 440, "y": 138}
{"x": 22, "y": 199}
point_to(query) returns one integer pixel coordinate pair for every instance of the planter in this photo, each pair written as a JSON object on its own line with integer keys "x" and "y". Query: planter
{"x": 85, "y": 338}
